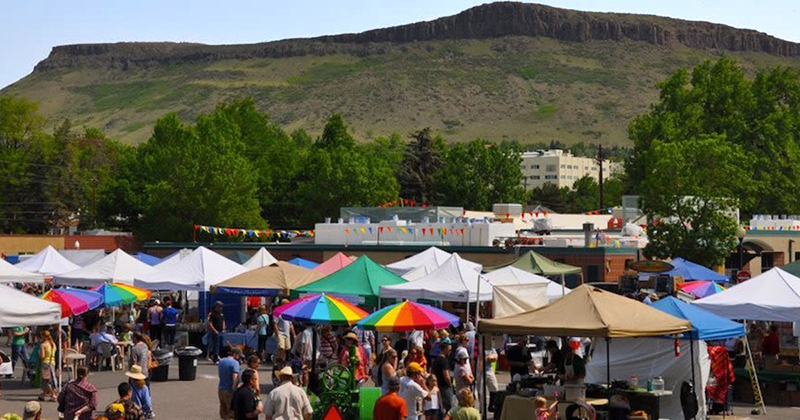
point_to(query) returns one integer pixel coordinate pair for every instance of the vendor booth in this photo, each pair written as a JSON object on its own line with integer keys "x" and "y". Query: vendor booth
{"x": 117, "y": 266}
{"x": 47, "y": 262}
{"x": 535, "y": 263}
{"x": 362, "y": 279}
{"x": 13, "y": 274}
{"x": 771, "y": 296}
{"x": 261, "y": 258}
{"x": 272, "y": 280}
{"x": 514, "y": 276}
{"x": 585, "y": 312}
{"x": 456, "y": 280}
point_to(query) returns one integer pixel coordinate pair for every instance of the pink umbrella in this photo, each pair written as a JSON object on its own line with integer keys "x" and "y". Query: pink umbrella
{"x": 333, "y": 264}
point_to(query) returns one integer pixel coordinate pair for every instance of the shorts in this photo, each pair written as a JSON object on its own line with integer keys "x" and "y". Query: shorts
{"x": 225, "y": 407}
{"x": 283, "y": 342}
{"x": 491, "y": 382}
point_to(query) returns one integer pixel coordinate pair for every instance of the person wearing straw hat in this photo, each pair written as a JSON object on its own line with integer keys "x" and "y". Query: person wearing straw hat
{"x": 354, "y": 356}
{"x": 32, "y": 411}
{"x": 140, "y": 391}
{"x": 287, "y": 401}
{"x": 130, "y": 410}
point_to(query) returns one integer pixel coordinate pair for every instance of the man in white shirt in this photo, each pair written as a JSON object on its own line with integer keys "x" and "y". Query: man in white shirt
{"x": 413, "y": 389}
{"x": 287, "y": 401}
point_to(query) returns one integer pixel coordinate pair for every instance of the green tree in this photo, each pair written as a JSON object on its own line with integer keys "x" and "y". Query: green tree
{"x": 338, "y": 173}
{"x": 550, "y": 196}
{"x": 690, "y": 192}
{"x": 23, "y": 168}
{"x": 480, "y": 173}
{"x": 196, "y": 175}
{"x": 762, "y": 116}
{"x": 422, "y": 161}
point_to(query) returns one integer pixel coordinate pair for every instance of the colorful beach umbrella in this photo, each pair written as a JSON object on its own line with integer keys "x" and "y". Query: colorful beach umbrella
{"x": 74, "y": 301}
{"x": 320, "y": 309}
{"x": 701, "y": 288}
{"x": 407, "y": 316}
{"x": 116, "y": 294}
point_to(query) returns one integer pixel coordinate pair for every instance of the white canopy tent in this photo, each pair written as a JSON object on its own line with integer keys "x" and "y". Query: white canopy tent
{"x": 648, "y": 357}
{"x": 117, "y": 266}
{"x": 197, "y": 272}
{"x": 12, "y": 274}
{"x": 424, "y": 263}
{"x": 771, "y": 296}
{"x": 515, "y": 299}
{"x": 262, "y": 258}
{"x": 47, "y": 262}
{"x": 173, "y": 258}
{"x": 510, "y": 275}
{"x": 83, "y": 257}
{"x": 18, "y": 309}
{"x": 456, "y": 280}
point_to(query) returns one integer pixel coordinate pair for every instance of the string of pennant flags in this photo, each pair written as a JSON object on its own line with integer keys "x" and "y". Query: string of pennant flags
{"x": 793, "y": 227}
{"x": 608, "y": 210}
{"x": 253, "y": 233}
{"x": 403, "y": 202}
{"x": 369, "y": 230}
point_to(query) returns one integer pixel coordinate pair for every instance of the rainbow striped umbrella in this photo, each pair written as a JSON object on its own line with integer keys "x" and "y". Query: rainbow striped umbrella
{"x": 407, "y": 316}
{"x": 74, "y": 301}
{"x": 701, "y": 288}
{"x": 320, "y": 309}
{"x": 117, "y": 294}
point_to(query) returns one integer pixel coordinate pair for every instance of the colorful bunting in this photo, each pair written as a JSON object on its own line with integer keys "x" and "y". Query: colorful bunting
{"x": 213, "y": 230}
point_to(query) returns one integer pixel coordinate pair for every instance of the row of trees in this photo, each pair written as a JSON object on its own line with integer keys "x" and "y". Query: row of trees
{"x": 235, "y": 167}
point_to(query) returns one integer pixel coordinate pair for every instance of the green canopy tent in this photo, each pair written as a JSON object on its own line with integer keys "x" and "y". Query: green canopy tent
{"x": 363, "y": 277}
{"x": 792, "y": 268}
{"x": 238, "y": 257}
{"x": 536, "y": 263}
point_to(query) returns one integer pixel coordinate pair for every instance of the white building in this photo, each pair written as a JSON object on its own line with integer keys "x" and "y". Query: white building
{"x": 561, "y": 168}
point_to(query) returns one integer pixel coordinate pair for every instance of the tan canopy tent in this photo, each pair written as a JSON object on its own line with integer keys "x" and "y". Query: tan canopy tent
{"x": 589, "y": 312}
{"x": 271, "y": 280}
{"x": 536, "y": 263}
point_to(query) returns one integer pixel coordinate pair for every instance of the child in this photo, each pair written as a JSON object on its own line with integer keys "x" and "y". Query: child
{"x": 141, "y": 396}
{"x": 431, "y": 405}
{"x": 543, "y": 412}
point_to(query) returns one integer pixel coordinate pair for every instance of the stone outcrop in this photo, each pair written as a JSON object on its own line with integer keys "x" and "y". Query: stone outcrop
{"x": 481, "y": 22}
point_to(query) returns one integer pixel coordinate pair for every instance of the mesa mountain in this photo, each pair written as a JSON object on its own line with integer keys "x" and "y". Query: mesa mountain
{"x": 498, "y": 71}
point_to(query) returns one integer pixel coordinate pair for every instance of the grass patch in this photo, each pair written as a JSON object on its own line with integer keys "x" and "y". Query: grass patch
{"x": 130, "y": 128}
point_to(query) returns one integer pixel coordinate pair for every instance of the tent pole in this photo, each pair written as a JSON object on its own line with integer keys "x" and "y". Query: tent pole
{"x": 313, "y": 348}
{"x": 60, "y": 353}
{"x": 608, "y": 364}
{"x": 691, "y": 353}
{"x": 482, "y": 354}
{"x": 563, "y": 286}
{"x": 754, "y": 376}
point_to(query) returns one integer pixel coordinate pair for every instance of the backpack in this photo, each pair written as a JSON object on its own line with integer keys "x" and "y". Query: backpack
{"x": 688, "y": 400}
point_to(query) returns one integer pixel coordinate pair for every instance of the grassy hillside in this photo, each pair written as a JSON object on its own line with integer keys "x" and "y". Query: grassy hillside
{"x": 517, "y": 88}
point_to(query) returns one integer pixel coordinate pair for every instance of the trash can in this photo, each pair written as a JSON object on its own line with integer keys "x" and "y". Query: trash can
{"x": 161, "y": 373}
{"x": 187, "y": 362}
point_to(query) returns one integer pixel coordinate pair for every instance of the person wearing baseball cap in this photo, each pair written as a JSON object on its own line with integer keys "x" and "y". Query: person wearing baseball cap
{"x": 412, "y": 389}
{"x": 287, "y": 400}
{"x": 390, "y": 406}
{"x": 215, "y": 325}
{"x": 353, "y": 355}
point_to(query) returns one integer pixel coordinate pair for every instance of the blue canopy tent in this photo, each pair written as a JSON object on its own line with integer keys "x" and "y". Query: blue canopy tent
{"x": 705, "y": 325}
{"x": 303, "y": 263}
{"x": 693, "y": 271}
{"x": 147, "y": 258}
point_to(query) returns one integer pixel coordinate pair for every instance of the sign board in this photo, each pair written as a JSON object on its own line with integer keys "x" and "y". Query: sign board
{"x": 650, "y": 266}
{"x": 743, "y": 275}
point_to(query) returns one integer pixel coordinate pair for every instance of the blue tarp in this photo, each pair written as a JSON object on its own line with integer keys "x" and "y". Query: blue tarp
{"x": 692, "y": 271}
{"x": 147, "y": 258}
{"x": 303, "y": 263}
{"x": 705, "y": 325}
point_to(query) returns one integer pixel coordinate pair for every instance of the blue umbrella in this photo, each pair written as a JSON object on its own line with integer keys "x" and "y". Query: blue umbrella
{"x": 694, "y": 271}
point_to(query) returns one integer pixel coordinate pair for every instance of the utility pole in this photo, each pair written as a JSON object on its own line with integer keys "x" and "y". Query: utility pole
{"x": 600, "y": 164}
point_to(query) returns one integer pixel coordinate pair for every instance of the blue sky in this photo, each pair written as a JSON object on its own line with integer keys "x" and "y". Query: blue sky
{"x": 29, "y": 29}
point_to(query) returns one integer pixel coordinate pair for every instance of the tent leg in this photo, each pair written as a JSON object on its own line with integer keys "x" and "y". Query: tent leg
{"x": 608, "y": 364}
{"x": 483, "y": 388}
{"x": 563, "y": 286}
{"x": 754, "y": 376}
{"x": 691, "y": 354}
{"x": 314, "y": 348}
{"x": 60, "y": 353}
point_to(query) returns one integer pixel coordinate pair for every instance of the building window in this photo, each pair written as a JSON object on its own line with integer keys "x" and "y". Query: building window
{"x": 522, "y": 166}
{"x": 562, "y": 166}
{"x": 585, "y": 168}
{"x": 593, "y": 273}
{"x": 551, "y": 177}
{"x": 551, "y": 168}
{"x": 535, "y": 177}
{"x": 534, "y": 166}
{"x": 563, "y": 176}
{"x": 767, "y": 261}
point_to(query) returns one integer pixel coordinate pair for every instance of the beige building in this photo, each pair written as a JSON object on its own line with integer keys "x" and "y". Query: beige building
{"x": 561, "y": 168}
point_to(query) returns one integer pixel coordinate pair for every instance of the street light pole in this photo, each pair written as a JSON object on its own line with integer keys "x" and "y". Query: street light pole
{"x": 740, "y": 234}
